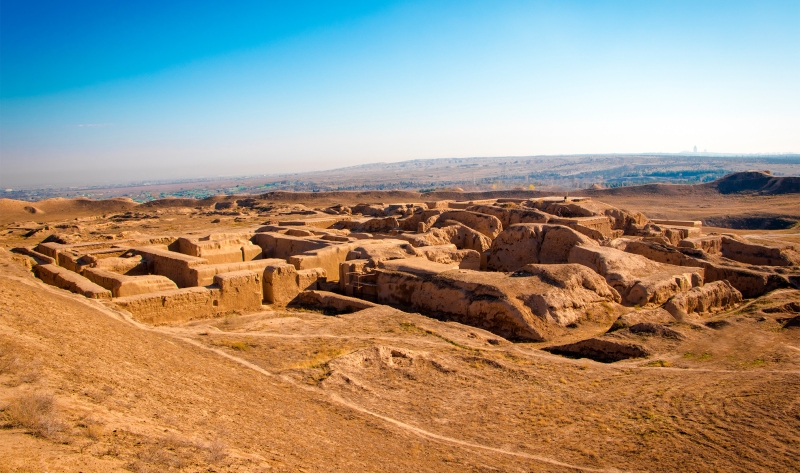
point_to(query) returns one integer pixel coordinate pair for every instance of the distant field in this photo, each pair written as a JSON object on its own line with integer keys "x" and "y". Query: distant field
{"x": 549, "y": 173}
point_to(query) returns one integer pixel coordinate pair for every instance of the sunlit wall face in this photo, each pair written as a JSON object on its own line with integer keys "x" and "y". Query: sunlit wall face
{"x": 96, "y": 93}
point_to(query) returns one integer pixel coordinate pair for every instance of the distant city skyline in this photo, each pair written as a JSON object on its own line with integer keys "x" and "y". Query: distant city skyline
{"x": 94, "y": 92}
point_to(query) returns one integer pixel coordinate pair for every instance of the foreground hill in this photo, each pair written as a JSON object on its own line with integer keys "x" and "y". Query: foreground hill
{"x": 100, "y": 393}
{"x": 85, "y": 388}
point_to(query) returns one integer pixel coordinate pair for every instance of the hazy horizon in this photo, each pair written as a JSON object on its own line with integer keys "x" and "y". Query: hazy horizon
{"x": 95, "y": 93}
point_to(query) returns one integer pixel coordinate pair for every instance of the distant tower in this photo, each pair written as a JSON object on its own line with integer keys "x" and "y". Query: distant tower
{"x": 695, "y": 148}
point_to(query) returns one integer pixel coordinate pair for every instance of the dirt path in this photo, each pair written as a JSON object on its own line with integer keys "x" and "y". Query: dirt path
{"x": 397, "y": 423}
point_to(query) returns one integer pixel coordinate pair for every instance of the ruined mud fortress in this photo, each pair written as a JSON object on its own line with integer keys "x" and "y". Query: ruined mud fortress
{"x": 526, "y": 270}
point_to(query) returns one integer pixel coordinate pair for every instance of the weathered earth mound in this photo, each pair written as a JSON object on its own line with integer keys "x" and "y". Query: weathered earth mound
{"x": 60, "y": 208}
{"x": 752, "y": 221}
{"x": 530, "y": 304}
{"x": 716, "y": 295}
{"x": 598, "y": 349}
{"x": 761, "y": 182}
{"x": 455, "y": 233}
{"x": 635, "y": 317}
{"x": 639, "y": 280}
{"x": 487, "y": 225}
{"x": 530, "y": 243}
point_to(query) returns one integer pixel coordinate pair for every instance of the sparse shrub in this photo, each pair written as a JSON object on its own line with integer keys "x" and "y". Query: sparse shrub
{"x": 704, "y": 356}
{"x": 216, "y": 451}
{"x": 7, "y": 360}
{"x": 94, "y": 431}
{"x": 409, "y": 327}
{"x": 112, "y": 450}
{"x": 659, "y": 364}
{"x": 35, "y": 412}
{"x": 241, "y": 346}
{"x": 289, "y": 311}
{"x": 30, "y": 375}
{"x": 92, "y": 428}
{"x": 318, "y": 359}
{"x": 166, "y": 452}
{"x": 172, "y": 452}
{"x": 234, "y": 344}
{"x": 22, "y": 371}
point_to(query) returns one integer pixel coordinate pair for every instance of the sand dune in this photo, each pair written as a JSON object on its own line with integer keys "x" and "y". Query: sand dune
{"x": 60, "y": 208}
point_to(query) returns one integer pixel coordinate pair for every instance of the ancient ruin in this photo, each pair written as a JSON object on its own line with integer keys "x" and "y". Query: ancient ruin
{"x": 524, "y": 269}
{"x": 598, "y": 335}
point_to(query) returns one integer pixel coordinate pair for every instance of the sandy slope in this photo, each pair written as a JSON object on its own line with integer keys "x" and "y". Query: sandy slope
{"x": 162, "y": 402}
{"x": 300, "y": 391}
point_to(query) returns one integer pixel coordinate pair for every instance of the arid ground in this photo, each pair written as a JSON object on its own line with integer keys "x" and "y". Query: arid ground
{"x": 86, "y": 387}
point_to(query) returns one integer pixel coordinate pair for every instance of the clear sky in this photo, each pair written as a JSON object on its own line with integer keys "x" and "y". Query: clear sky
{"x": 102, "y": 91}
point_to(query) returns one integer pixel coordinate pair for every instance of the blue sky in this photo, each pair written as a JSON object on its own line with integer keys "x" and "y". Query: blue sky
{"x": 105, "y": 92}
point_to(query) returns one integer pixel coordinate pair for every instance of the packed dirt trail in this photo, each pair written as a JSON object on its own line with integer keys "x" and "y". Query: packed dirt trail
{"x": 176, "y": 333}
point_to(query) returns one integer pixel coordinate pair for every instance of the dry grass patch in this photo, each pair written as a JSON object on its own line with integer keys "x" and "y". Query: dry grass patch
{"x": 410, "y": 327}
{"x": 237, "y": 345}
{"x": 318, "y": 359}
{"x": 16, "y": 368}
{"x": 35, "y": 412}
{"x": 658, "y": 364}
{"x": 216, "y": 451}
{"x": 231, "y": 322}
{"x": 92, "y": 428}
{"x": 174, "y": 453}
{"x": 315, "y": 362}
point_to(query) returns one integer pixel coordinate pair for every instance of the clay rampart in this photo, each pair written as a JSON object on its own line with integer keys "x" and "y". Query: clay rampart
{"x": 283, "y": 282}
{"x": 121, "y": 285}
{"x": 761, "y": 255}
{"x": 204, "y": 275}
{"x": 175, "y": 266}
{"x": 328, "y": 258}
{"x": 73, "y": 282}
{"x": 530, "y": 304}
{"x": 230, "y": 249}
{"x": 236, "y": 291}
{"x": 279, "y": 245}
